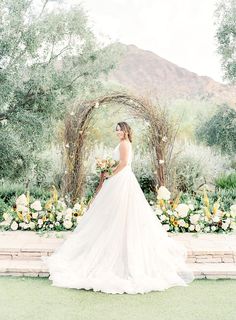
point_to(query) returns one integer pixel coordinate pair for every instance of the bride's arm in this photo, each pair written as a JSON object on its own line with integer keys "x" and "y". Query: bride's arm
{"x": 124, "y": 153}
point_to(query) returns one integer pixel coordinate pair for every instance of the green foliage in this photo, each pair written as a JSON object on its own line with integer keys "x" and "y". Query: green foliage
{"x": 47, "y": 58}
{"x": 226, "y": 181}
{"x": 10, "y": 191}
{"x": 226, "y": 37}
{"x": 219, "y": 130}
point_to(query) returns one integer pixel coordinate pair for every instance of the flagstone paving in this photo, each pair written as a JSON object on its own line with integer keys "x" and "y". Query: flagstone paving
{"x": 211, "y": 256}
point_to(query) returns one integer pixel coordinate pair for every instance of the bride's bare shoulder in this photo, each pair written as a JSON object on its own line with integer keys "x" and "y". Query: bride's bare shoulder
{"x": 124, "y": 144}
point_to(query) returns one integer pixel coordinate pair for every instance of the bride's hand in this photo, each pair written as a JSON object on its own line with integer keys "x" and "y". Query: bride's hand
{"x": 106, "y": 175}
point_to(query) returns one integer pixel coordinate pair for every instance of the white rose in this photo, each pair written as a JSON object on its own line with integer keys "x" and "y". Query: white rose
{"x": 181, "y": 223}
{"x": 163, "y": 217}
{"x": 158, "y": 211}
{"x": 163, "y": 193}
{"x": 59, "y": 216}
{"x": 68, "y": 216}
{"x": 166, "y": 227}
{"x": 194, "y": 218}
{"x": 69, "y": 211}
{"x": 77, "y": 206}
{"x": 216, "y": 219}
{"x": 57, "y": 223}
{"x": 36, "y": 205}
{"x": 67, "y": 224}
{"x": 61, "y": 204}
{"x": 182, "y": 209}
{"x": 22, "y": 200}
{"x": 35, "y": 215}
{"x": 233, "y": 224}
{"x": 32, "y": 225}
{"x": 191, "y": 227}
{"x": 21, "y": 208}
{"x": 225, "y": 225}
{"x": 14, "y": 226}
{"x": 233, "y": 210}
{"x": 6, "y": 216}
{"x": 197, "y": 228}
{"x": 191, "y": 206}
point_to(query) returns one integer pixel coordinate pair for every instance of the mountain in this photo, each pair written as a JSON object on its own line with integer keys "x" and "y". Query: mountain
{"x": 146, "y": 73}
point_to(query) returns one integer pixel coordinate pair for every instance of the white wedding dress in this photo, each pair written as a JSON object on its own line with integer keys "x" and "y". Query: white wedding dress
{"x": 119, "y": 245}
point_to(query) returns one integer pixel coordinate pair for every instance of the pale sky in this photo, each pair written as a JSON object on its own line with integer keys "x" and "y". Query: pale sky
{"x": 181, "y": 31}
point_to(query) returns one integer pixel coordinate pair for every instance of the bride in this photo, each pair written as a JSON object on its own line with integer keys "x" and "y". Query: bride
{"x": 119, "y": 245}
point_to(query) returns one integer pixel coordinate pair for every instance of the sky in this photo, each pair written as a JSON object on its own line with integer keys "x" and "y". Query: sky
{"x": 181, "y": 31}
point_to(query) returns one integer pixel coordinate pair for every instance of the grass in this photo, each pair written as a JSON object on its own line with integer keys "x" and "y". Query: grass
{"x": 36, "y": 299}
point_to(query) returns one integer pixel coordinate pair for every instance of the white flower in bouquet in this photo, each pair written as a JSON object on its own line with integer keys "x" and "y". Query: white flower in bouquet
{"x": 51, "y": 225}
{"x": 40, "y": 222}
{"x": 57, "y": 223}
{"x": 181, "y": 223}
{"x": 22, "y": 200}
{"x": 233, "y": 210}
{"x": 216, "y": 219}
{"x": 6, "y": 216}
{"x": 166, "y": 227}
{"x": 175, "y": 213}
{"x": 35, "y": 215}
{"x": 158, "y": 211}
{"x": 32, "y": 225}
{"x": 163, "y": 193}
{"x": 191, "y": 227}
{"x": 26, "y": 226}
{"x": 163, "y": 217}
{"x": 78, "y": 218}
{"x": 68, "y": 212}
{"x": 67, "y": 224}
{"x": 36, "y": 205}
{"x": 59, "y": 216}
{"x": 14, "y": 226}
{"x": 21, "y": 225}
{"x": 207, "y": 229}
{"x": 61, "y": 204}
{"x": 191, "y": 206}
{"x": 21, "y": 208}
{"x": 197, "y": 227}
{"x": 77, "y": 206}
{"x": 233, "y": 224}
{"x": 219, "y": 213}
{"x": 225, "y": 225}
{"x": 228, "y": 220}
{"x": 182, "y": 209}
{"x": 194, "y": 218}
{"x": 213, "y": 228}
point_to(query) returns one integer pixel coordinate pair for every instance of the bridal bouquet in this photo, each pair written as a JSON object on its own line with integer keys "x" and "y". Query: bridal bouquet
{"x": 105, "y": 165}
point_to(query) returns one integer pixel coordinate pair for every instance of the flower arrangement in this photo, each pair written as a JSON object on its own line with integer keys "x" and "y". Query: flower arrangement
{"x": 105, "y": 165}
{"x": 54, "y": 215}
{"x": 192, "y": 217}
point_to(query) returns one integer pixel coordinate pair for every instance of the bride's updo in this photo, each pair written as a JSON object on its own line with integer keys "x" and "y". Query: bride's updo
{"x": 126, "y": 129}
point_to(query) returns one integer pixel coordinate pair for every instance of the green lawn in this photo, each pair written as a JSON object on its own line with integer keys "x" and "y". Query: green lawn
{"x": 24, "y": 298}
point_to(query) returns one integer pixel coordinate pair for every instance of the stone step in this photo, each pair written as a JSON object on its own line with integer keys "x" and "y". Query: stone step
{"x": 38, "y": 269}
{"x": 194, "y": 256}
{"x": 202, "y": 248}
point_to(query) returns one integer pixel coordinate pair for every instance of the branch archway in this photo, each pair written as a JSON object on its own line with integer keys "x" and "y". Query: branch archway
{"x": 77, "y": 123}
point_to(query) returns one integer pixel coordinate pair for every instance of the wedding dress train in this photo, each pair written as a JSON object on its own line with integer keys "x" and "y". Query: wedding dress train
{"x": 119, "y": 245}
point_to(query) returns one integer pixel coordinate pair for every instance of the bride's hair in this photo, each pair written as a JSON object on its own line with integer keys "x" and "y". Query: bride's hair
{"x": 126, "y": 129}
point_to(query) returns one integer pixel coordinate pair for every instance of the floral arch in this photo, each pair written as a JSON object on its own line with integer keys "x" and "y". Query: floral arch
{"x": 77, "y": 123}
